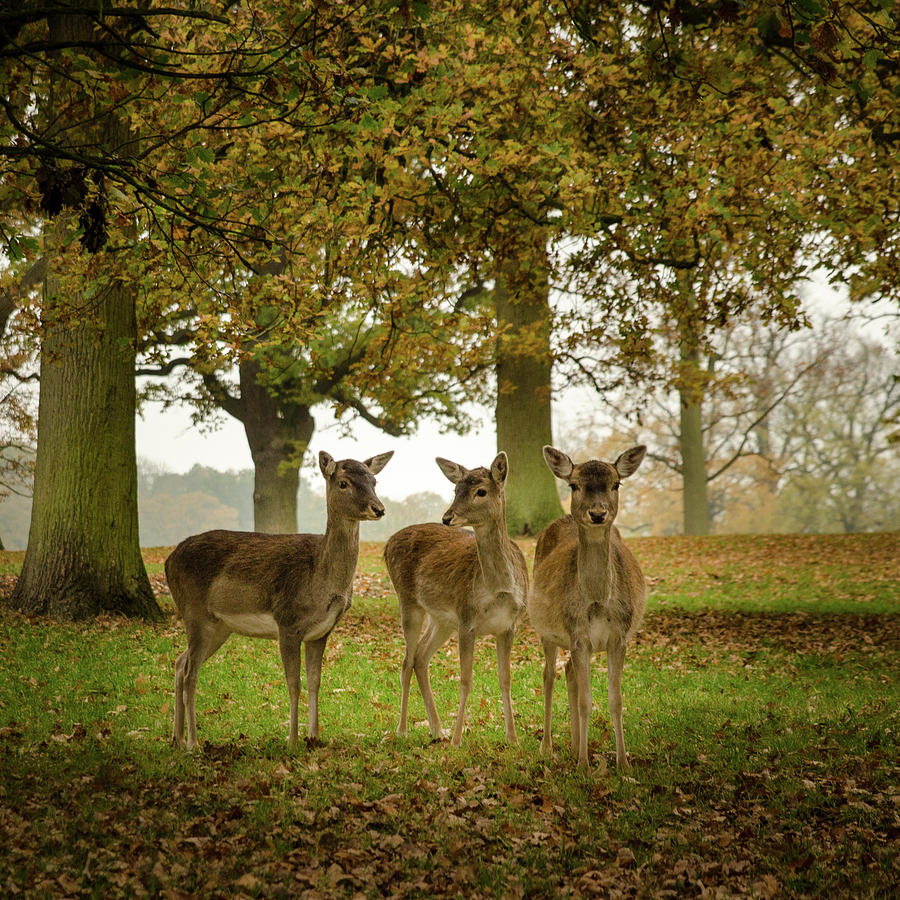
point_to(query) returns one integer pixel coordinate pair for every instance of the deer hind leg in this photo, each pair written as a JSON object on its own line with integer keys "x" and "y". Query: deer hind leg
{"x": 203, "y": 641}
{"x": 466, "y": 665}
{"x": 435, "y": 636}
{"x": 504, "y": 652}
{"x": 615, "y": 663}
{"x": 412, "y": 618}
{"x": 315, "y": 650}
{"x": 289, "y": 646}
{"x": 178, "y": 730}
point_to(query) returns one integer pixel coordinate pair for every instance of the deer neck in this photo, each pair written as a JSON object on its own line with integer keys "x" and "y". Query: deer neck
{"x": 494, "y": 558}
{"x": 594, "y": 560}
{"x": 340, "y": 552}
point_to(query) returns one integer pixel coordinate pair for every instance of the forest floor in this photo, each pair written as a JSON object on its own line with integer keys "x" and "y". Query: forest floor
{"x": 762, "y": 715}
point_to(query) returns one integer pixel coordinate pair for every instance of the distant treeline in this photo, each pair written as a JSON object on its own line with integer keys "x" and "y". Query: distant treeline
{"x": 172, "y": 506}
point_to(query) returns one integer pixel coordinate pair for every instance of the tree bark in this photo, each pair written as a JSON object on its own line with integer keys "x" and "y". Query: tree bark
{"x": 693, "y": 454}
{"x": 278, "y": 434}
{"x": 522, "y": 304}
{"x": 83, "y": 556}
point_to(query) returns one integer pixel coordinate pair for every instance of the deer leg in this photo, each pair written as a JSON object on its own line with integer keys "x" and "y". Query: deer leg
{"x": 504, "y": 652}
{"x": 550, "y": 651}
{"x": 435, "y": 636}
{"x": 581, "y": 666}
{"x": 289, "y": 645}
{"x": 412, "y": 628}
{"x": 572, "y": 690}
{"x": 615, "y": 663}
{"x": 466, "y": 665}
{"x": 202, "y": 644}
{"x": 178, "y": 729}
{"x": 315, "y": 650}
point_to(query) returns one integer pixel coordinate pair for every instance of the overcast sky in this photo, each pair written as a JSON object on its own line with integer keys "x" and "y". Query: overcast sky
{"x": 169, "y": 439}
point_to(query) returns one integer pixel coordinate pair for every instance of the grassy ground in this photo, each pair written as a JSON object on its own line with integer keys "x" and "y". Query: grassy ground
{"x": 762, "y": 716}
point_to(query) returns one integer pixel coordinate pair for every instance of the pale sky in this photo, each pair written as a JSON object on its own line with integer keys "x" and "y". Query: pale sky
{"x": 171, "y": 440}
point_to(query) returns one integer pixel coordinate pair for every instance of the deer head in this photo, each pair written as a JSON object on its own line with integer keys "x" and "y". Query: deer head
{"x": 350, "y": 486}
{"x": 479, "y": 493}
{"x": 594, "y": 484}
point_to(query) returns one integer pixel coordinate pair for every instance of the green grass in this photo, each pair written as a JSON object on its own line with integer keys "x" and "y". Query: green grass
{"x": 761, "y": 715}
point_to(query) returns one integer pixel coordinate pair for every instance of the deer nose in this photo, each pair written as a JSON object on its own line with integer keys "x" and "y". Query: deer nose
{"x": 598, "y": 518}
{"x": 378, "y": 510}
{"x": 448, "y": 518}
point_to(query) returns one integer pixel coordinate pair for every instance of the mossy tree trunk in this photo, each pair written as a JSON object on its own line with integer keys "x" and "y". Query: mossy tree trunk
{"x": 524, "y": 363}
{"x": 691, "y": 383}
{"x": 83, "y": 556}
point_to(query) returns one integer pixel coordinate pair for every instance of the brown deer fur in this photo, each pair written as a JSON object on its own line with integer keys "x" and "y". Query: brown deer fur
{"x": 292, "y": 588}
{"x": 457, "y": 581}
{"x": 588, "y": 593}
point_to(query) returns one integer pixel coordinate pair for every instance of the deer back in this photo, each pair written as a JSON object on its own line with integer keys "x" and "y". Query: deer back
{"x": 435, "y": 566}
{"x": 234, "y": 573}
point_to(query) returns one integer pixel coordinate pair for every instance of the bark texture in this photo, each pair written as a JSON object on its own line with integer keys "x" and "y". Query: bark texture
{"x": 522, "y": 304}
{"x": 83, "y": 555}
{"x": 278, "y": 435}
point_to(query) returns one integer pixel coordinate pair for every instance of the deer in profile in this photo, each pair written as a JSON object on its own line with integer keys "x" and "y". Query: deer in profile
{"x": 589, "y": 593}
{"x": 292, "y": 588}
{"x": 456, "y": 581}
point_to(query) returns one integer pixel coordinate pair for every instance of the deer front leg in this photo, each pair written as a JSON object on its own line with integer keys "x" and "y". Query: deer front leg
{"x": 581, "y": 671}
{"x": 550, "y": 651}
{"x": 435, "y": 636}
{"x": 289, "y": 645}
{"x": 504, "y": 653}
{"x": 315, "y": 650}
{"x": 615, "y": 663}
{"x": 466, "y": 665}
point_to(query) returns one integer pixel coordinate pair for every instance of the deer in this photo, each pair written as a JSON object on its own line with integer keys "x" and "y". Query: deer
{"x": 455, "y": 581}
{"x": 588, "y": 593}
{"x": 292, "y": 588}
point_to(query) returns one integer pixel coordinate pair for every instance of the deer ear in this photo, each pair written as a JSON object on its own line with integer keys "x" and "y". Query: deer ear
{"x": 500, "y": 468}
{"x": 628, "y": 463}
{"x": 327, "y": 464}
{"x": 376, "y": 463}
{"x": 557, "y": 462}
{"x": 452, "y": 471}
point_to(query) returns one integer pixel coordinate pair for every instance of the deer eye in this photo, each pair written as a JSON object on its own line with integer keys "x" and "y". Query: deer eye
{"x": 574, "y": 487}
{"x": 481, "y": 492}
{"x": 616, "y": 486}
{"x": 343, "y": 485}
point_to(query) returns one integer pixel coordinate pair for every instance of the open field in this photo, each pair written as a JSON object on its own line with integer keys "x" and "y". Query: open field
{"x": 762, "y": 714}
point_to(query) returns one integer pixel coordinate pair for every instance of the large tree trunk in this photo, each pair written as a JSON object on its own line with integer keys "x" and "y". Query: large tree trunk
{"x": 521, "y": 300}
{"x": 83, "y": 554}
{"x": 693, "y": 454}
{"x": 278, "y": 435}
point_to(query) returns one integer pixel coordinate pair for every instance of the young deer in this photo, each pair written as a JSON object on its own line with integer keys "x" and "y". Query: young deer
{"x": 588, "y": 594}
{"x": 291, "y": 588}
{"x": 456, "y": 581}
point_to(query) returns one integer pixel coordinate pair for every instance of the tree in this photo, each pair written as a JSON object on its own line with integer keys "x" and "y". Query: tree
{"x": 82, "y": 90}
{"x": 839, "y": 468}
{"x": 84, "y": 554}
